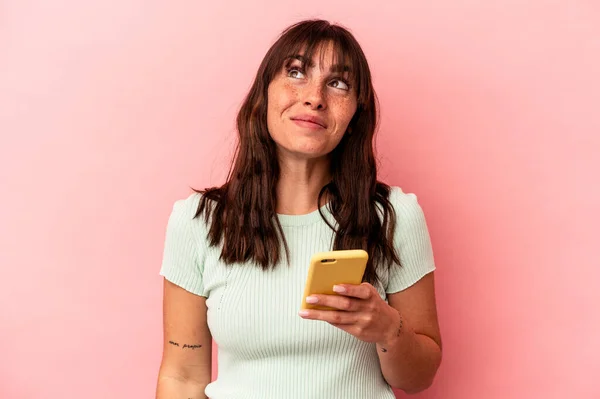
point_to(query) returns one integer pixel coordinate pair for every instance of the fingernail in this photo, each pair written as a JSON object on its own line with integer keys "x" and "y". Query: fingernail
{"x": 303, "y": 313}
{"x": 339, "y": 288}
{"x": 312, "y": 299}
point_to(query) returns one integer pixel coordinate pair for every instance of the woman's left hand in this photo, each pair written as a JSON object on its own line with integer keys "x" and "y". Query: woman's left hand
{"x": 360, "y": 311}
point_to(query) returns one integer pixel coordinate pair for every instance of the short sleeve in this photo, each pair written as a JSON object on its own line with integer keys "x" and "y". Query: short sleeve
{"x": 184, "y": 246}
{"x": 412, "y": 242}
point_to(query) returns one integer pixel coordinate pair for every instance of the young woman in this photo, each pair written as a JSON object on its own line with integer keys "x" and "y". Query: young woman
{"x": 303, "y": 180}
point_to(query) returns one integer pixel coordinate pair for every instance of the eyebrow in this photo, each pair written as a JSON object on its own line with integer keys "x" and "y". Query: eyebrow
{"x": 311, "y": 64}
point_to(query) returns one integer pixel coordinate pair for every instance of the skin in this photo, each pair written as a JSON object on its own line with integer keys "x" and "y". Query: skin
{"x": 185, "y": 367}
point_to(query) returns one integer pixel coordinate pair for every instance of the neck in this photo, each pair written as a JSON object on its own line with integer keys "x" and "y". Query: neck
{"x": 300, "y": 182}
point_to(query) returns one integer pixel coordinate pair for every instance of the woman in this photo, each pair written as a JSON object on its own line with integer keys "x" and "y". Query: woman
{"x": 303, "y": 180}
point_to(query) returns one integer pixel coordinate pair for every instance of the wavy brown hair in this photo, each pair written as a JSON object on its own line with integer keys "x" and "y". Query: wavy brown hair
{"x": 242, "y": 212}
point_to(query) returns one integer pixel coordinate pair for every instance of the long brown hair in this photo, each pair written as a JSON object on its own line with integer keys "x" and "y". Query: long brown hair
{"x": 242, "y": 212}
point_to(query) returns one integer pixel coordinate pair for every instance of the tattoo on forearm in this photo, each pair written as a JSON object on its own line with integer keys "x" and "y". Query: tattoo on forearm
{"x": 185, "y": 345}
{"x": 399, "y": 331}
{"x": 191, "y": 346}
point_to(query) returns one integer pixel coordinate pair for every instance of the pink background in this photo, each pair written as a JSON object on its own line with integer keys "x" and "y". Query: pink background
{"x": 110, "y": 109}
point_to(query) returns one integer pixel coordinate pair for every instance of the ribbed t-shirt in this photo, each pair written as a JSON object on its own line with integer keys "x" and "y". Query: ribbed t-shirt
{"x": 265, "y": 349}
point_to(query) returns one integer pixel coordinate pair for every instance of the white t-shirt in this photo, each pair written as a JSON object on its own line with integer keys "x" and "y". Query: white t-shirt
{"x": 265, "y": 349}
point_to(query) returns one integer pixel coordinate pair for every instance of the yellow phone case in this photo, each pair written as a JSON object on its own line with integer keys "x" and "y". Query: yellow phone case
{"x": 330, "y": 268}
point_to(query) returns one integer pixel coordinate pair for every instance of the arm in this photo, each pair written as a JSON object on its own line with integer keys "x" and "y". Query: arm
{"x": 185, "y": 369}
{"x": 412, "y": 350}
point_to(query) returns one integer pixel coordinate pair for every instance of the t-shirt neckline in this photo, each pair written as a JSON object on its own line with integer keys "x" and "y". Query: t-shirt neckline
{"x": 303, "y": 220}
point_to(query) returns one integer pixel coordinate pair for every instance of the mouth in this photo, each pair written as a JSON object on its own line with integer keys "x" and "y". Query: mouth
{"x": 312, "y": 123}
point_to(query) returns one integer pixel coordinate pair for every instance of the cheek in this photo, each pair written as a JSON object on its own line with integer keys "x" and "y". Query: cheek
{"x": 344, "y": 111}
{"x": 281, "y": 97}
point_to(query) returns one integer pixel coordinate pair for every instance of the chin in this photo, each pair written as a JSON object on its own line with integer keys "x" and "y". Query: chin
{"x": 314, "y": 154}
{"x": 307, "y": 152}
{"x": 305, "y": 147}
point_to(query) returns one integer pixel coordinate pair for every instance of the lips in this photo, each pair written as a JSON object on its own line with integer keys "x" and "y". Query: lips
{"x": 311, "y": 119}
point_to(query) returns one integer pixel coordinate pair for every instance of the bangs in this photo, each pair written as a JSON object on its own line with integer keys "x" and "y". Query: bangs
{"x": 305, "y": 52}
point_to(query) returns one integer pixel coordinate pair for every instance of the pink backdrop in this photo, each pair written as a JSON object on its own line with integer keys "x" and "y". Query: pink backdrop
{"x": 109, "y": 110}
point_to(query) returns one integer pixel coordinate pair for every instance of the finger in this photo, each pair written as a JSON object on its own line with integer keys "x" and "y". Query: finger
{"x": 330, "y": 316}
{"x": 362, "y": 291}
{"x": 335, "y": 301}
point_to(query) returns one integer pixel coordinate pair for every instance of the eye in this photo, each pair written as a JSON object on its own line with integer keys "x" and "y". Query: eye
{"x": 340, "y": 84}
{"x": 294, "y": 72}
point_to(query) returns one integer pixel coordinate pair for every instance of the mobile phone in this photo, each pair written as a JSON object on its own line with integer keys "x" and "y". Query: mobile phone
{"x": 330, "y": 268}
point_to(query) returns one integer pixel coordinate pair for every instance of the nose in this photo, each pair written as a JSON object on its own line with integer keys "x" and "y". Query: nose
{"x": 314, "y": 97}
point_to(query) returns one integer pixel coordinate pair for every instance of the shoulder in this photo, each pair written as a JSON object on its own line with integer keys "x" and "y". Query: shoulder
{"x": 183, "y": 214}
{"x": 186, "y": 208}
{"x": 404, "y": 202}
{"x": 410, "y": 217}
{"x": 188, "y": 205}
{"x": 399, "y": 197}
{"x": 408, "y": 210}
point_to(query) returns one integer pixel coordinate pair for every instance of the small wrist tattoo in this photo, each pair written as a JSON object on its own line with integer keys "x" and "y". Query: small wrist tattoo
{"x": 191, "y": 346}
{"x": 186, "y": 345}
{"x": 399, "y": 331}
{"x": 400, "y": 325}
